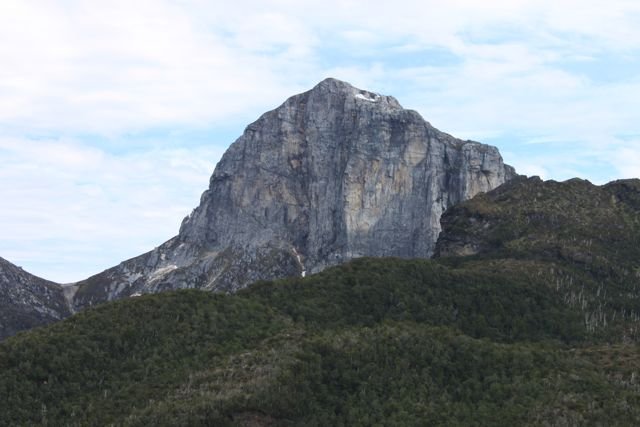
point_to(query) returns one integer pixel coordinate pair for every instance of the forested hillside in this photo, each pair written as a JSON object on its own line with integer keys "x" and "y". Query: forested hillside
{"x": 529, "y": 317}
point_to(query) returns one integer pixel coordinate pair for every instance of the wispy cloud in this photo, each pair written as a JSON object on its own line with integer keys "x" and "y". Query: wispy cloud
{"x": 64, "y": 200}
{"x": 100, "y": 101}
{"x": 111, "y": 67}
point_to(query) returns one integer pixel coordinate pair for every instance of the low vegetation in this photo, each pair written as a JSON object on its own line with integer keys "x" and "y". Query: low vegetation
{"x": 538, "y": 327}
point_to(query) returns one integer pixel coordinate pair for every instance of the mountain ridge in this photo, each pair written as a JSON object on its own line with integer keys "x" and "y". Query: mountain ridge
{"x": 27, "y": 301}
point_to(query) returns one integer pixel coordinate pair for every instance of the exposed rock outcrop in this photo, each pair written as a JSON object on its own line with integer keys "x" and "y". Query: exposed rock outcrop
{"x": 27, "y": 301}
{"x": 332, "y": 174}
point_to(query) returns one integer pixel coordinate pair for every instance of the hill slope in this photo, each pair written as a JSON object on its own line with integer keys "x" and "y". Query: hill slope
{"x": 521, "y": 330}
{"x": 582, "y": 238}
{"x": 375, "y": 341}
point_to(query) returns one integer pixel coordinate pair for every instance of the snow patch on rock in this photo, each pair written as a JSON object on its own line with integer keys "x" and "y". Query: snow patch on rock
{"x": 371, "y": 97}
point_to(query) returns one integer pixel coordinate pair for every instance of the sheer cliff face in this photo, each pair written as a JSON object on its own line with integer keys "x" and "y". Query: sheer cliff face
{"x": 27, "y": 301}
{"x": 332, "y": 174}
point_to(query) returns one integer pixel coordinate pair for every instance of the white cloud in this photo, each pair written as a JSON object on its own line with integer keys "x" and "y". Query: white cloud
{"x": 626, "y": 156}
{"x": 117, "y": 66}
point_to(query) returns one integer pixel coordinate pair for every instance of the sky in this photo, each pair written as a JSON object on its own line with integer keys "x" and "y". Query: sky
{"x": 114, "y": 114}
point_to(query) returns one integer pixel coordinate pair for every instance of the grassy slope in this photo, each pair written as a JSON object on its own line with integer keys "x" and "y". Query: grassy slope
{"x": 504, "y": 337}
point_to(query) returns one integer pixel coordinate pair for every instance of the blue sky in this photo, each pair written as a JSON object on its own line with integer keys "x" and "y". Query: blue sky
{"x": 114, "y": 114}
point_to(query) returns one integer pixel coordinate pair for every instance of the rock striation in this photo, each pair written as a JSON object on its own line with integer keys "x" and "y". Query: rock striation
{"x": 27, "y": 301}
{"x": 332, "y": 174}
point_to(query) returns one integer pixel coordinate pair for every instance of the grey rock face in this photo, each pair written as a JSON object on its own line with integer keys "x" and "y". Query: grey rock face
{"x": 332, "y": 174}
{"x": 27, "y": 301}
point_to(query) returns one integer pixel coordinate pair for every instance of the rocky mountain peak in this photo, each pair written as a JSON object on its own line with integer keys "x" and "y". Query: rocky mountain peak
{"x": 332, "y": 174}
{"x": 331, "y": 87}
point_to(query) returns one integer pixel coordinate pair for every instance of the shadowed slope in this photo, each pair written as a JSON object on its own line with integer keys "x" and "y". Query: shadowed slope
{"x": 27, "y": 301}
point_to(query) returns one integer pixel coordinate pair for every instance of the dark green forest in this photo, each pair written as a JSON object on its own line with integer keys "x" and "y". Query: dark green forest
{"x": 528, "y": 316}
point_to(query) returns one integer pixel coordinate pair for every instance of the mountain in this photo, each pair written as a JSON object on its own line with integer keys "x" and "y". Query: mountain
{"x": 332, "y": 174}
{"x": 27, "y": 301}
{"x": 527, "y": 316}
